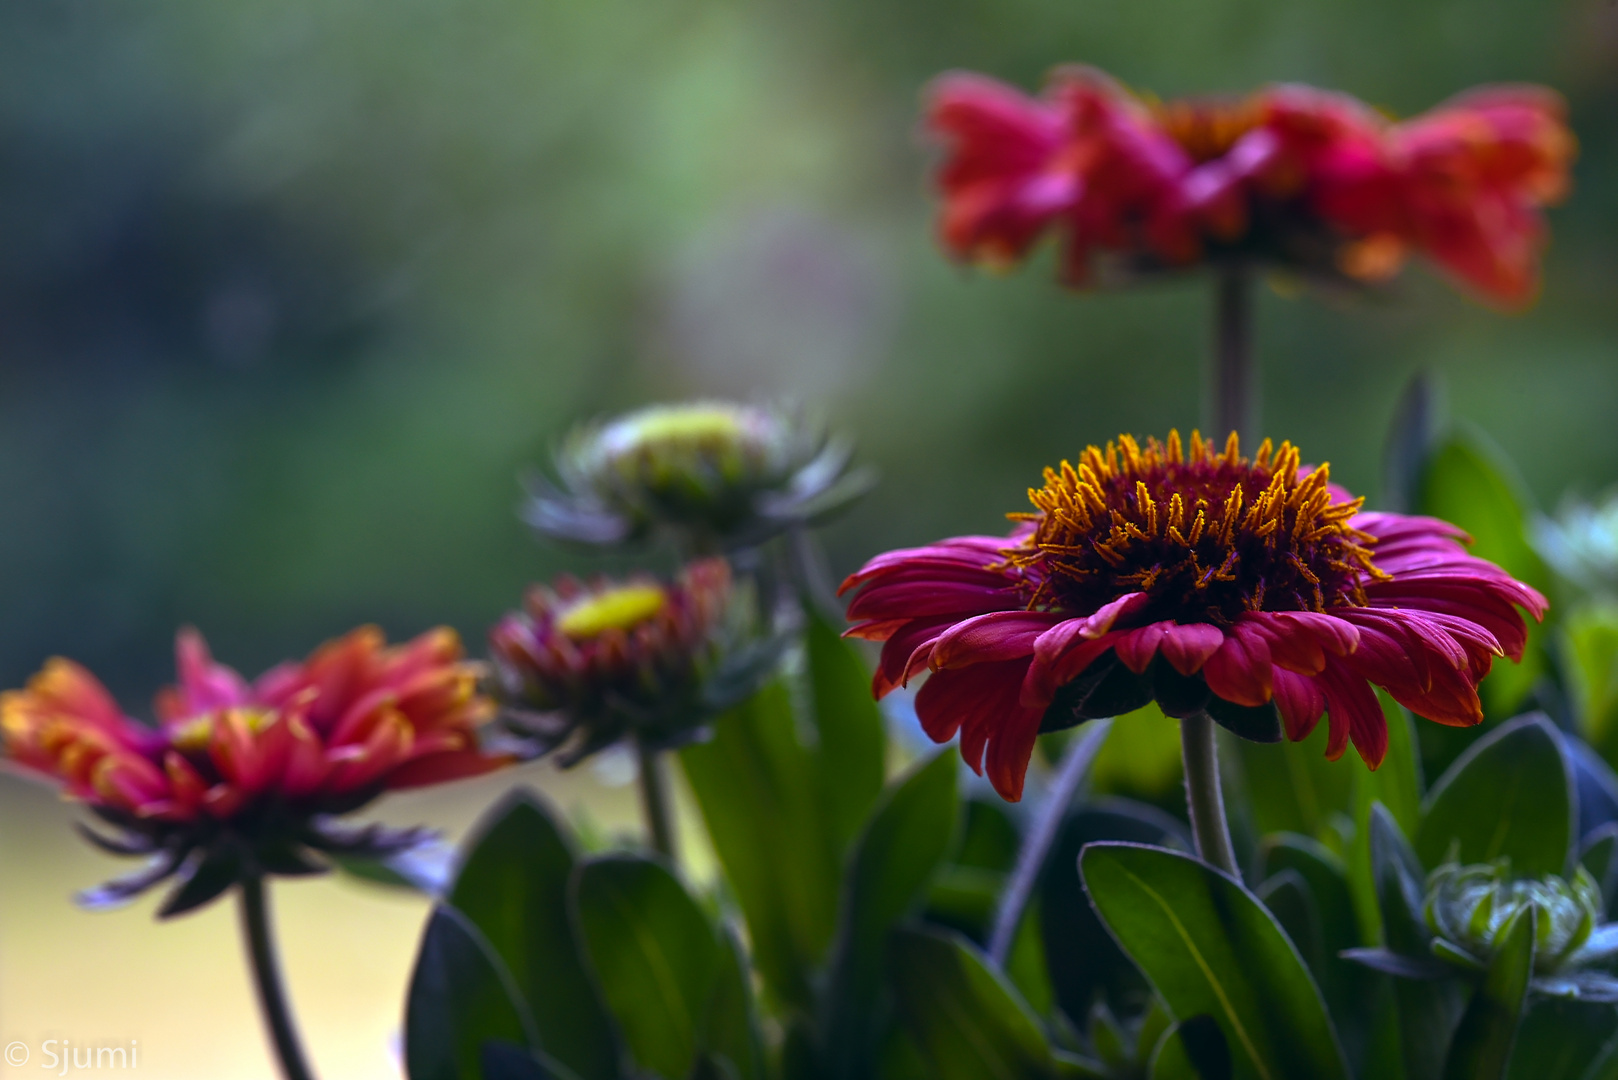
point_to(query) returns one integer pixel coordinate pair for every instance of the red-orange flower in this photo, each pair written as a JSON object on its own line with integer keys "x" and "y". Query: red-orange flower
{"x": 241, "y": 776}
{"x": 1250, "y": 590}
{"x": 1293, "y": 176}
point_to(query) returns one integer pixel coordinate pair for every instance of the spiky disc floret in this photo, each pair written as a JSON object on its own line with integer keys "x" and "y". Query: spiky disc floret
{"x": 1206, "y": 535}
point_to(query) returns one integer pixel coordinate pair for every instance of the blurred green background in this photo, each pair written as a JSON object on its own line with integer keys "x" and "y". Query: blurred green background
{"x": 292, "y": 292}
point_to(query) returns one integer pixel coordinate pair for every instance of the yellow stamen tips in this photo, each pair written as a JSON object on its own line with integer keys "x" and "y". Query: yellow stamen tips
{"x": 194, "y": 735}
{"x": 1204, "y": 531}
{"x": 622, "y": 608}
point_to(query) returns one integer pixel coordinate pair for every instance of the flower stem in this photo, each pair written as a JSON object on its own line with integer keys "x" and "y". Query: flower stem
{"x": 1202, "y": 796}
{"x": 1031, "y": 859}
{"x": 272, "y": 999}
{"x": 1234, "y": 382}
{"x": 654, "y": 802}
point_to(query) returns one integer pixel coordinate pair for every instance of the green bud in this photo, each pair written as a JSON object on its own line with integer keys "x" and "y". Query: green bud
{"x": 717, "y": 474}
{"x": 1469, "y": 907}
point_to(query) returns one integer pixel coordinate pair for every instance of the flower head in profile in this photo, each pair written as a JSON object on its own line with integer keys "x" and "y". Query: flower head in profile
{"x": 586, "y": 665}
{"x": 1249, "y": 589}
{"x": 717, "y": 475}
{"x": 1289, "y": 176}
{"x": 242, "y": 778}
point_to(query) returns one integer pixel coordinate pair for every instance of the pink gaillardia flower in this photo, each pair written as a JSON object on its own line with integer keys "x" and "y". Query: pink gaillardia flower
{"x": 244, "y": 779}
{"x": 586, "y": 665}
{"x": 1289, "y": 176}
{"x": 1252, "y": 590}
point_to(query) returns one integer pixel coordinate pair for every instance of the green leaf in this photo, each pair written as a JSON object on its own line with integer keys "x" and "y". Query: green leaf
{"x": 731, "y": 1031}
{"x": 1426, "y": 1011}
{"x": 1398, "y": 786}
{"x": 1291, "y": 787}
{"x": 1599, "y": 856}
{"x": 514, "y": 886}
{"x": 1191, "y": 1050}
{"x": 1560, "y": 1038}
{"x": 893, "y": 862}
{"x": 1208, "y": 946}
{"x": 654, "y": 954}
{"x": 967, "y": 891}
{"x": 1589, "y": 639}
{"x": 967, "y": 1020}
{"x": 1511, "y": 795}
{"x": 1350, "y": 990}
{"x": 460, "y": 998}
{"x": 1286, "y": 895}
{"x": 1081, "y": 957}
{"x": 852, "y": 738}
{"x": 1481, "y": 1048}
{"x": 757, "y": 785}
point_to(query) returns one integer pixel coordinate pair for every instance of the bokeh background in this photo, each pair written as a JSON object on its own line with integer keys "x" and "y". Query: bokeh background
{"x": 291, "y": 292}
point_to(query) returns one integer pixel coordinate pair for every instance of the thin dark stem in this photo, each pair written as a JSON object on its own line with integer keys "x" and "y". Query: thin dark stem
{"x": 1203, "y": 799}
{"x": 1234, "y": 382}
{"x": 1031, "y": 859}
{"x": 654, "y": 802}
{"x": 272, "y": 998}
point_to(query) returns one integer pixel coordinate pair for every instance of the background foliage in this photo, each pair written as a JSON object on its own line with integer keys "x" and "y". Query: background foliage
{"x": 290, "y": 293}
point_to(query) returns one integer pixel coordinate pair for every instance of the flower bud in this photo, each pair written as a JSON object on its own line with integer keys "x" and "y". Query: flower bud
{"x": 589, "y": 664}
{"x": 717, "y": 475}
{"x": 1468, "y": 909}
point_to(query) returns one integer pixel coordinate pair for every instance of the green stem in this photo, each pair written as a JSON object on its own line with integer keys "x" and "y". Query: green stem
{"x": 1234, "y": 381}
{"x": 272, "y": 999}
{"x": 1203, "y": 800}
{"x": 654, "y": 802}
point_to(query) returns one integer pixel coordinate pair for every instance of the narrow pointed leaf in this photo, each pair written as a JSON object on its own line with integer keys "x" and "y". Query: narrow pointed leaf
{"x": 848, "y": 723}
{"x": 1209, "y": 946}
{"x": 757, "y": 785}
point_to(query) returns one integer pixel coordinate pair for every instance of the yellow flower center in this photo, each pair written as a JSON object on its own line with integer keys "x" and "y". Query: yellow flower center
{"x": 1206, "y": 535}
{"x": 676, "y": 423}
{"x": 621, "y": 608}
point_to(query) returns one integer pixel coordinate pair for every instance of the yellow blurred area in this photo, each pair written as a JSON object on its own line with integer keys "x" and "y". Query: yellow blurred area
{"x": 179, "y": 991}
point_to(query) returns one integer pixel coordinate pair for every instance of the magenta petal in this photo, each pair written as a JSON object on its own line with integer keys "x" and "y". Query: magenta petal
{"x": 1048, "y": 674}
{"x": 1137, "y": 647}
{"x": 1299, "y": 700}
{"x": 1188, "y": 647}
{"x": 1355, "y": 715}
{"x": 1108, "y": 614}
{"x": 999, "y": 635}
{"x": 1290, "y": 648}
{"x": 1334, "y": 635}
{"x": 206, "y": 685}
{"x": 1240, "y": 671}
{"x": 980, "y": 702}
{"x": 906, "y": 652}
